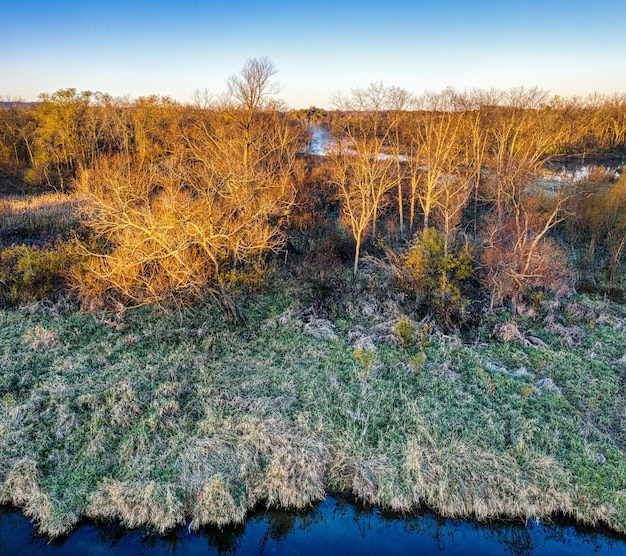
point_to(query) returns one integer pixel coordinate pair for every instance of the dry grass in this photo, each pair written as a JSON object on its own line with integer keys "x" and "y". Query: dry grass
{"x": 138, "y": 503}
{"x": 45, "y": 201}
{"x": 248, "y": 461}
{"x": 39, "y": 338}
{"x": 36, "y": 258}
{"x": 22, "y": 488}
{"x": 460, "y": 478}
{"x": 39, "y": 218}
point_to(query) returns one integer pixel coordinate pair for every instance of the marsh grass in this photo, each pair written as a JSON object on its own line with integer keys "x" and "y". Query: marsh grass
{"x": 37, "y": 219}
{"x": 171, "y": 418}
{"x": 38, "y": 251}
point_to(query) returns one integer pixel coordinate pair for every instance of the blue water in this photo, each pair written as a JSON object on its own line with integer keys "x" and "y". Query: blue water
{"x": 332, "y": 527}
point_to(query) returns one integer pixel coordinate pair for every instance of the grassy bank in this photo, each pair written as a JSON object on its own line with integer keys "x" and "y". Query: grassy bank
{"x": 158, "y": 419}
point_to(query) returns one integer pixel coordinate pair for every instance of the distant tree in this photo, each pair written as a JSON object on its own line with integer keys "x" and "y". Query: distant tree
{"x": 60, "y": 146}
{"x": 155, "y": 124}
{"x": 600, "y": 212}
{"x": 17, "y": 125}
{"x": 249, "y": 93}
{"x": 616, "y": 232}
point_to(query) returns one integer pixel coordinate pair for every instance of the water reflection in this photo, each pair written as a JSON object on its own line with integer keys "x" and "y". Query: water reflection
{"x": 335, "y": 526}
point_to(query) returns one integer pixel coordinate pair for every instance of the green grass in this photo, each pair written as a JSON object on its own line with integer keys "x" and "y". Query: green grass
{"x": 156, "y": 419}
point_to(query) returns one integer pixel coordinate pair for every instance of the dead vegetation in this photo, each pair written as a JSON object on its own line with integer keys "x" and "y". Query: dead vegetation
{"x": 37, "y": 219}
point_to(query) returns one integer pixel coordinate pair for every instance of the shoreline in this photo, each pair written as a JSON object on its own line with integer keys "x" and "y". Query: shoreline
{"x": 559, "y": 520}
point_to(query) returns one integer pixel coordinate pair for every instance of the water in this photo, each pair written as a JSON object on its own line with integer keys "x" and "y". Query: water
{"x": 333, "y": 527}
{"x": 320, "y": 141}
{"x": 556, "y": 173}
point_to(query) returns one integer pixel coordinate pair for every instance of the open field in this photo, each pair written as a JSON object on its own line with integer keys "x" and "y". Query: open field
{"x": 157, "y": 419}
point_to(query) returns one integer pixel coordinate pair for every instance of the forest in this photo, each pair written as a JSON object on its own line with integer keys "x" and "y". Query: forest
{"x": 212, "y": 305}
{"x": 452, "y": 190}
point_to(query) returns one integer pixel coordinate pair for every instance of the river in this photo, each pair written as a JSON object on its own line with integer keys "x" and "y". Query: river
{"x": 335, "y": 526}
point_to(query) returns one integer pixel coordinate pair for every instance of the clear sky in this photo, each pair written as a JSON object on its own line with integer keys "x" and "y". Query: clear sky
{"x": 141, "y": 47}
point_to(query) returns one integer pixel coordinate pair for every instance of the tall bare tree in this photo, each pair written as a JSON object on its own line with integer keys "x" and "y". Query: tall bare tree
{"x": 365, "y": 164}
{"x": 519, "y": 254}
{"x": 435, "y": 155}
{"x": 400, "y": 101}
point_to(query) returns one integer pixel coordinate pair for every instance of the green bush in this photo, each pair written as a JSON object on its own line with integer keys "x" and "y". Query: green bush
{"x": 30, "y": 273}
{"x": 436, "y": 273}
{"x": 406, "y": 329}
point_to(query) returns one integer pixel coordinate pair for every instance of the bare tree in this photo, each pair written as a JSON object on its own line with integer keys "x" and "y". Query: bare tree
{"x": 366, "y": 168}
{"x": 17, "y": 126}
{"x": 248, "y": 93}
{"x": 435, "y": 155}
{"x": 518, "y": 254}
{"x": 400, "y": 100}
{"x": 218, "y": 198}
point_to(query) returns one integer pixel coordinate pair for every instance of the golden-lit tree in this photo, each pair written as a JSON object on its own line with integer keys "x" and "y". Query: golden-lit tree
{"x": 155, "y": 127}
{"x": 178, "y": 223}
{"x": 16, "y": 135}
{"x": 615, "y": 205}
{"x": 599, "y": 216}
{"x": 400, "y": 100}
{"x": 476, "y": 107}
{"x": 61, "y": 146}
{"x": 363, "y": 159}
{"x": 435, "y": 155}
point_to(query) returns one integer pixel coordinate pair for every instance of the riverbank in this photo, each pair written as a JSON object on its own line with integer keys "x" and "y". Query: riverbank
{"x": 156, "y": 419}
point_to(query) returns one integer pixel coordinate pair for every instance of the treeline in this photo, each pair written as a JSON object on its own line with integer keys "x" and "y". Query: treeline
{"x": 188, "y": 198}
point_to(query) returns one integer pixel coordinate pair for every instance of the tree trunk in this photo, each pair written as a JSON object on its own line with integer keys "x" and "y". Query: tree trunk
{"x": 357, "y": 252}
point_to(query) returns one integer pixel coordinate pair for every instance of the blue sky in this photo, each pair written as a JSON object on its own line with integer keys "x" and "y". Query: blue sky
{"x": 139, "y": 47}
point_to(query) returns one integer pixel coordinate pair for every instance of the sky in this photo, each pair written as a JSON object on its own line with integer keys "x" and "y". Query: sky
{"x": 175, "y": 47}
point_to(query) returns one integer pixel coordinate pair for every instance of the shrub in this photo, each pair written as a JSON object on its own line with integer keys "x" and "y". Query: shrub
{"x": 436, "y": 273}
{"x": 30, "y": 273}
{"x": 406, "y": 329}
{"x": 513, "y": 267}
